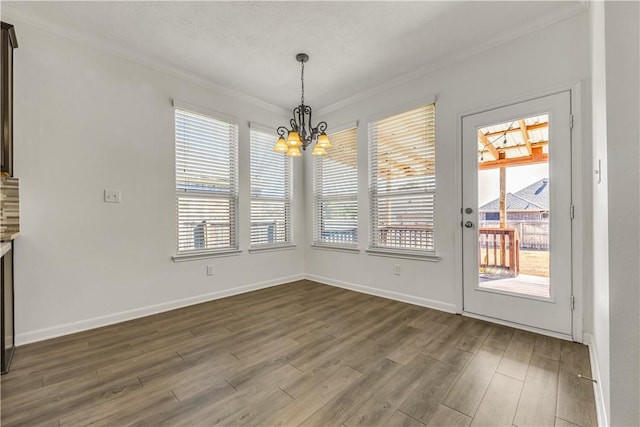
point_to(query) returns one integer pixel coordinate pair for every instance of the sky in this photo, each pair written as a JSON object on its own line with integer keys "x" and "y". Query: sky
{"x": 518, "y": 177}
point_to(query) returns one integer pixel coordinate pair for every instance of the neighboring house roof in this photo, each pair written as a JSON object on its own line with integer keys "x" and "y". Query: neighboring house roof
{"x": 534, "y": 197}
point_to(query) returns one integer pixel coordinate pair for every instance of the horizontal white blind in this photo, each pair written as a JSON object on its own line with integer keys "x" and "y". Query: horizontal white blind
{"x": 206, "y": 182}
{"x": 270, "y": 192}
{"x": 335, "y": 190}
{"x": 402, "y": 180}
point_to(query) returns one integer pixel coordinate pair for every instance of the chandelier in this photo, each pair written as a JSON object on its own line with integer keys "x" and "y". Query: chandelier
{"x": 302, "y": 133}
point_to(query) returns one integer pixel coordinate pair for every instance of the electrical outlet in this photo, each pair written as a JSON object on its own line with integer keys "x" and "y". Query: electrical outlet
{"x": 209, "y": 270}
{"x": 111, "y": 196}
{"x": 396, "y": 269}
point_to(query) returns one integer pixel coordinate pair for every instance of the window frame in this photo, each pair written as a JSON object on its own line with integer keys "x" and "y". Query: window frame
{"x": 349, "y": 197}
{"x": 426, "y": 254}
{"x": 287, "y": 200}
{"x": 232, "y": 196}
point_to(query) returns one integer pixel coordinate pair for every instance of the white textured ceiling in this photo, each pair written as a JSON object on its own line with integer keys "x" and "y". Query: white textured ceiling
{"x": 250, "y": 47}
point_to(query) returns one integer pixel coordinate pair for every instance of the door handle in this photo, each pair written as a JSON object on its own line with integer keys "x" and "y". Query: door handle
{"x": 468, "y": 224}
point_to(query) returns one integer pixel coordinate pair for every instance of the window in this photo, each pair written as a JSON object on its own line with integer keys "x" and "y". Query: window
{"x": 335, "y": 190}
{"x": 206, "y": 183}
{"x": 270, "y": 192}
{"x": 402, "y": 181}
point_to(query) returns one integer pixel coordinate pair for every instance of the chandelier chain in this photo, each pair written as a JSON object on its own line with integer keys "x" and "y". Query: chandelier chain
{"x": 302, "y": 81}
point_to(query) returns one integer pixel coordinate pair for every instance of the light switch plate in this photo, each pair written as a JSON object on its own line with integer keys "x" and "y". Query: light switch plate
{"x": 396, "y": 269}
{"x": 111, "y": 196}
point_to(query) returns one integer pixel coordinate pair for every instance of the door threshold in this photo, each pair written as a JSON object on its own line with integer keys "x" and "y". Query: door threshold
{"x": 553, "y": 334}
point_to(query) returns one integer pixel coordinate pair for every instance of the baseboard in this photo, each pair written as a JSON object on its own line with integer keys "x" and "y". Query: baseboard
{"x": 97, "y": 322}
{"x": 601, "y": 409}
{"x": 397, "y": 296}
{"x": 539, "y": 331}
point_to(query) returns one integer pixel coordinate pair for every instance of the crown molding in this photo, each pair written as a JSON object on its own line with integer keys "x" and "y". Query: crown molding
{"x": 11, "y": 14}
{"x": 447, "y": 60}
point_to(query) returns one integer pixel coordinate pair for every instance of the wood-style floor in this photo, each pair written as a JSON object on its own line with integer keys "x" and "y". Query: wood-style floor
{"x": 300, "y": 354}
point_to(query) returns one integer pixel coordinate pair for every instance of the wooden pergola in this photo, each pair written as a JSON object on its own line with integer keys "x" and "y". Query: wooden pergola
{"x": 517, "y": 143}
{"x": 522, "y": 145}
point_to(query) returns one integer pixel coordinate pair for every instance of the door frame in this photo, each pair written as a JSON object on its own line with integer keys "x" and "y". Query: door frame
{"x": 580, "y": 181}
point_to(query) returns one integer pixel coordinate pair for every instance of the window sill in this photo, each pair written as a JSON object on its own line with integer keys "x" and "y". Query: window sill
{"x": 348, "y": 249}
{"x": 395, "y": 253}
{"x": 193, "y": 256}
{"x": 270, "y": 248}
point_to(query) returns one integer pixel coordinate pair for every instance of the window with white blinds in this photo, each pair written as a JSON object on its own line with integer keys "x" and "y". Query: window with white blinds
{"x": 403, "y": 181}
{"x": 206, "y": 183}
{"x": 335, "y": 192}
{"x": 270, "y": 192}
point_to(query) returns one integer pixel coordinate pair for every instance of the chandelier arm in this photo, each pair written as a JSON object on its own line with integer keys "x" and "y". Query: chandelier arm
{"x": 301, "y": 124}
{"x": 312, "y": 133}
{"x": 295, "y": 122}
{"x": 282, "y": 131}
{"x": 308, "y": 126}
{"x": 322, "y": 127}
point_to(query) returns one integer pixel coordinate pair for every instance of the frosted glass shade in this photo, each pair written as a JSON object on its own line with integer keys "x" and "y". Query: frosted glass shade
{"x": 319, "y": 151}
{"x": 281, "y": 146}
{"x": 294, "y": 139}
{"x": 294, "y": 152}
{"x": 323, "y": 141}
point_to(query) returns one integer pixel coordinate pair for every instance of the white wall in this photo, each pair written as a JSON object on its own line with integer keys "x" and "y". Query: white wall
{"x": 552, "y": 57}
{"x": 86, "y": 121}
{"x": 622, "y": 41}
{"x": 615, "y": 60}
{"x": 600, "y": 328}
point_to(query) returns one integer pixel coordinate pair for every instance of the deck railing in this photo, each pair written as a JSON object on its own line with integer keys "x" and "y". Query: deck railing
{"x": 499, "y": 248}
{"x": 339, "y": 235}
{"x": 533, "y": 234}
{"x": 407, "y": 236}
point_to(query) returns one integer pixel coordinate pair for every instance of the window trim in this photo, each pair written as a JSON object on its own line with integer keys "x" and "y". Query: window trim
{"x": 411, "y": 254}
{"x": 354, "y": 249}
{"x": 272, "y": 247}
{"x": 403, "y": 108}
{"x": 405, "y": 254}
{"x": 204, "y": 111}
{"x": 196, "y": 254}
{"x": 343, "y": 127}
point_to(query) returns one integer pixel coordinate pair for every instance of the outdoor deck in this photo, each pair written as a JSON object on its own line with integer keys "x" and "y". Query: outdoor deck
{"x": 537, "y": 286}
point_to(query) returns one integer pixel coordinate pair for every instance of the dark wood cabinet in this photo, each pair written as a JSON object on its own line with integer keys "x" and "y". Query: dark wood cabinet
{"x": 8, "y": 43}
{"x": 8, "y": 328}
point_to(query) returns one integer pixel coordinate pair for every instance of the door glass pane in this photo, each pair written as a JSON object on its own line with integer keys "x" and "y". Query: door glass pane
{"x": 513, "y": 206}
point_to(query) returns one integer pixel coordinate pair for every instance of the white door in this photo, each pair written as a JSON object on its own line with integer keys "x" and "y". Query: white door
{"x": 517, "y": 211}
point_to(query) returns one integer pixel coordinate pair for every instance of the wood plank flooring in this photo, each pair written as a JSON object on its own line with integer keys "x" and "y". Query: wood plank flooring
{"x": 300, "y": 354}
